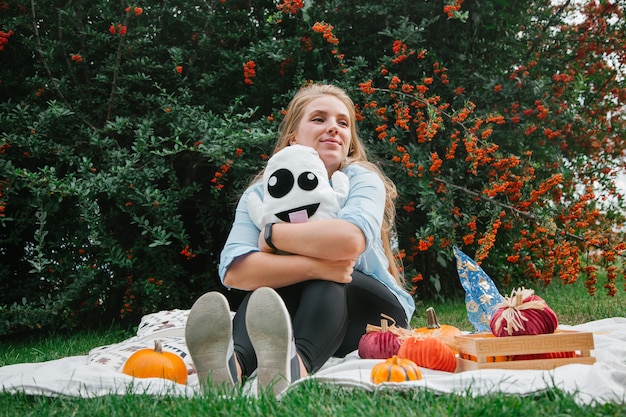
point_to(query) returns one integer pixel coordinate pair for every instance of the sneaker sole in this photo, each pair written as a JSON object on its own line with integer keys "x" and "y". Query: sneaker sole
{"x": 208, "y": 334}
{"x": 269, "y": 328}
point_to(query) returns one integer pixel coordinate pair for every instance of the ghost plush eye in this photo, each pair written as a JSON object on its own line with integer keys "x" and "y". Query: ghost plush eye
{"x": 280, "y": 183}
{"x": 307, "y": 181}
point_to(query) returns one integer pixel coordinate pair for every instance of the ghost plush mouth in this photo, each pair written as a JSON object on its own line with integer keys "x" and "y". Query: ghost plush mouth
{"x": 299, "y": 214}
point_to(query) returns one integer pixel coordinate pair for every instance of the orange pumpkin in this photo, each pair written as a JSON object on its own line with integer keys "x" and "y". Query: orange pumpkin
{"x": 428, "y": 352}
{"x": 155, "y": 363}
{"x": 395, "y": 369}
{"x": 434, "y": 328}
{"x": 473, "y": 358}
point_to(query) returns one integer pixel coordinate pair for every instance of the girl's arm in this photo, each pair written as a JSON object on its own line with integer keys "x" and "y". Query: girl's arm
{"x": 263, "y": 269}
{"x": 326, "y": 239}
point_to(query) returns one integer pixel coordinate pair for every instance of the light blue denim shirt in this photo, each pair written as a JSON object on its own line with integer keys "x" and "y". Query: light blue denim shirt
{"x": 364, "y": 208}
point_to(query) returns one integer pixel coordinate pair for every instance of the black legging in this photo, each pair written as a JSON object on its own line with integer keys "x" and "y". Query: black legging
{"x": 328, "y": 318}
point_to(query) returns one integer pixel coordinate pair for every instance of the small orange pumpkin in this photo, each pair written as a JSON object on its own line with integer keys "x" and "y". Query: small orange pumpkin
{"x": 395, "y": 369}
{"x": 428, "y": 352}
{"x": 155, "y": 363}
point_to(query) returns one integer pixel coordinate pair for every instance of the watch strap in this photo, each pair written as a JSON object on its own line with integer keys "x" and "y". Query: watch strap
{"x": 267, "y": 235}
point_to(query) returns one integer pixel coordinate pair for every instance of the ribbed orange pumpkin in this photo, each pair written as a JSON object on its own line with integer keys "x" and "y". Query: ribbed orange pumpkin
{"x": 155, "y": 363}
{"x": 395, "y": 369}
{"x": 428, "y": 352}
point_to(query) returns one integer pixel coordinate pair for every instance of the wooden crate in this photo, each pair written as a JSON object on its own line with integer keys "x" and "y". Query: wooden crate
{"x": 487, "y": 351}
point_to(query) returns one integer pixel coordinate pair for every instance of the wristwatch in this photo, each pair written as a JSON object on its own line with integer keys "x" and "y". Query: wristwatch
{"x": 268, "y": 235}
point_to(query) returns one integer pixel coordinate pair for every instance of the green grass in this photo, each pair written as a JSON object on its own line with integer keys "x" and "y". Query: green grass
{"x": 40, "y": 348}
{"x": 313, "y": 399}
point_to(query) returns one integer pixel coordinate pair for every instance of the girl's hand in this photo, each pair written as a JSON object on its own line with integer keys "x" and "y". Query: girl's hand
{"x": 336, "y": 271}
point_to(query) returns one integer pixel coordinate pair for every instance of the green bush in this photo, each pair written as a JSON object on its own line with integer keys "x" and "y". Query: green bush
{"x": 128, "y": 131}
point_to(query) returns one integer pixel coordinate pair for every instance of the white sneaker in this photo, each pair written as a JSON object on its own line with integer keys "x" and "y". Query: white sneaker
{"x": 269, "y": 328}
{"x": 208, "y": 334}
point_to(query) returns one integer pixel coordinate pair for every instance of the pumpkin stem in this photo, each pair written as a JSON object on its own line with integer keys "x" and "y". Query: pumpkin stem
{"x": 431, "y": 316}
{"x": 384, "y": 322}
{"x": 158, "y": 347}
{"x": 385, "y": 326}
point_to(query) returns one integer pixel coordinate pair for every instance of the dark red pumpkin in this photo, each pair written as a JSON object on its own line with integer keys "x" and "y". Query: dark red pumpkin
{"x": 523, "y": 314}
{"x": 379, "y": 343}
{"x": 548, "y": 355}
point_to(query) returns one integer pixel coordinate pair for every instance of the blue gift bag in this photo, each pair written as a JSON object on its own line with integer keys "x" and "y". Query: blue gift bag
{"x": 481, "y": 294}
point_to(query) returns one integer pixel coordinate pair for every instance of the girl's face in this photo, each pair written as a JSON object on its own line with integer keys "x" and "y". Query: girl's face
{"x": 325, "y": 126}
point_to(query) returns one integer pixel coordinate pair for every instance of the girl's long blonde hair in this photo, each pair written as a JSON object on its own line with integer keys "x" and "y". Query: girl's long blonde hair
{"x": 356, "y": 154}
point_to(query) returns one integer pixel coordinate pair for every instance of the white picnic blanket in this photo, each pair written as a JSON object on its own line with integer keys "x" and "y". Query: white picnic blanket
{"x": 97, "y": 373}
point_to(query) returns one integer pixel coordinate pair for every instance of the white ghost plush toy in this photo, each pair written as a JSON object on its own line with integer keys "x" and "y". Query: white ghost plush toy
{"x": 296, "y": 189}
